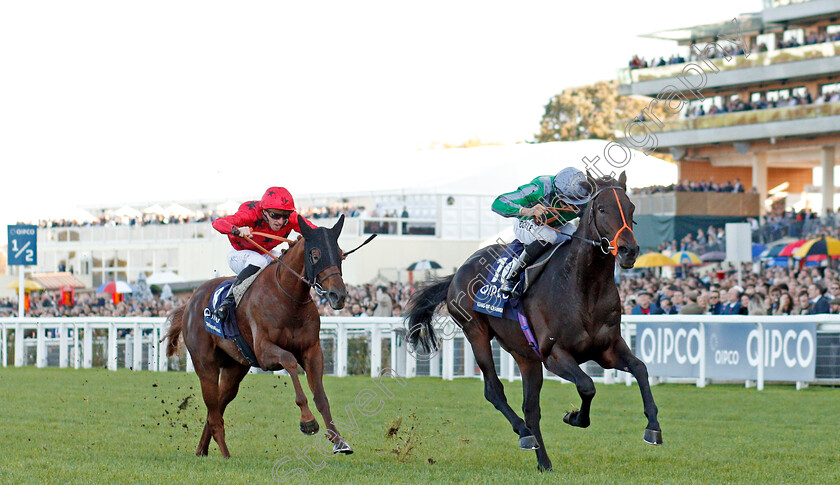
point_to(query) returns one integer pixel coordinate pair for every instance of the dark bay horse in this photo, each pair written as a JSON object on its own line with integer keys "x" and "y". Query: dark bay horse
{"x": 280, "y": 322}
{"x": 573, "y": 309}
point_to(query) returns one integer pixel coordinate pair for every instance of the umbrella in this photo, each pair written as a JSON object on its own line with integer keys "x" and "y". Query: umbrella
{"x": 790, "y": 248}
{"x": 776, "y": 261}
{"x": 757, "y": 249}
{"x": 713, "y": 256}
{"x": 163, "y": 278}
{"x": 28, "y": 285}
{"x": 114, "y": 287}
{"x": 651, "y": 260}
{"x": 826, "y": 246}
{"x": 424, "y": 264}
{"x": 686, "y": 257}
{"x": 772, "y": 251}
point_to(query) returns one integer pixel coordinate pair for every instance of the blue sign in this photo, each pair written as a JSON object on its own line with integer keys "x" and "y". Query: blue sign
{"x": 669, "y": 349}
{"x": 23, "y": 245}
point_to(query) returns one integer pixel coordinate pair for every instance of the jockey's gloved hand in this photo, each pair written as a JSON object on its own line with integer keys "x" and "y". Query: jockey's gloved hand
{"x": 241, "y": 231}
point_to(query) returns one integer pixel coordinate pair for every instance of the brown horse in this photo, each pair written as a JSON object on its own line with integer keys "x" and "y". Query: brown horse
{"x": 280, "y": 322}
{"x": 573, "y": 309}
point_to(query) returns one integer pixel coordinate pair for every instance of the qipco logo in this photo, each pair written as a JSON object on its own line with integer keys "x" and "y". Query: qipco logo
{"x": 682, "y": 345}
{"x": 794, "y": 349}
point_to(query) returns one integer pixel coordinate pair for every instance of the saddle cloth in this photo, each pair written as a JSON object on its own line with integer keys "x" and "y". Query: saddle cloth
{"x": 228, "y": 329}
{"x": 489, "y": 299}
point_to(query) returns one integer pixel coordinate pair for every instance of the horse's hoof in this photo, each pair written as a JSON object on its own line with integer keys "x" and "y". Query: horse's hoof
{"x": 544, "y": 468}
{"x": 343, "y": 448}
{"x": 653, "y": 436}
{"x": 573, "y": 419}
{"x": 528, "y": 443}
{"x": 309, "y": 427}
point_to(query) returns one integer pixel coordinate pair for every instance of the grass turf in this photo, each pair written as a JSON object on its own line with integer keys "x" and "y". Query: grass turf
{"x": 96, "y": 426}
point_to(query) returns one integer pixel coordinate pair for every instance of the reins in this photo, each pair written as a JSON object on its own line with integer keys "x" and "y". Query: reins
{"x": 311, "y": 284}
{"x": 607, "y": 246}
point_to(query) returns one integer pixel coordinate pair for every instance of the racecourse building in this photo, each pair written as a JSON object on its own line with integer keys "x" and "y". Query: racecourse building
{"x": 757, "y": 97}
{"x": 443, "y": 220}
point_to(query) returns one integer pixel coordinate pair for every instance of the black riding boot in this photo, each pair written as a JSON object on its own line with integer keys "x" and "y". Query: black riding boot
{"x": 531, "y": 253}
{"x": 229, "y": 302}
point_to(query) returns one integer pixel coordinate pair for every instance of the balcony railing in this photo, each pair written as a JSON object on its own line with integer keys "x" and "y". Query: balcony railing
{"x": 741, "y": 118}
{"x": 756, "y": 59}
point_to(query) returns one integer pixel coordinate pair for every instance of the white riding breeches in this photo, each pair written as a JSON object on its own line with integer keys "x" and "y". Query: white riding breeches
{"x": 240, "y": 259}
{"x": 527, "y": 232}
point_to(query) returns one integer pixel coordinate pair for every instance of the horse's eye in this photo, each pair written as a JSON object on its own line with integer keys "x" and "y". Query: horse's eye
{"x": 315, "y": 256}
{"x": 601, "y": 210}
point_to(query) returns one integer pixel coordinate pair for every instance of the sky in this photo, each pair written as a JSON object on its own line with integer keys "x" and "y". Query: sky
{"x": 111, "y": 102}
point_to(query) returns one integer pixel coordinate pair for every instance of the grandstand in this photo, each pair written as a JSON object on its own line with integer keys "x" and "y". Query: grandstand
{"x": 760, "y": 101}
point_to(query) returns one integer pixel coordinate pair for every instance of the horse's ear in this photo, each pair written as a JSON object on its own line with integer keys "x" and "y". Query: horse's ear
{"x": 336, "y": 229}
{"x": 304, "y": 228}
{"x": 622, "y": 180}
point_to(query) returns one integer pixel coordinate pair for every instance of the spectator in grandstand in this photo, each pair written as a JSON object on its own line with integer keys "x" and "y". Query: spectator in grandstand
{"x": 644, "y": 306}
{"x": 273, "y": 214}
{"x": 715, "y": 305}
{"x": 785, "y": 306}
{"x": 818, "y": 302}
{"x": 666, "y": 307}
{"x": 692, "y": 307}
{"x": 733, "y": 304}
{"x": 383, "y": 303}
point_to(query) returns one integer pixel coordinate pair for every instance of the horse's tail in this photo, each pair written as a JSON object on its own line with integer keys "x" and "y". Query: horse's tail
{"x": 420, "y": 312}
{"x": 176, "y": 323}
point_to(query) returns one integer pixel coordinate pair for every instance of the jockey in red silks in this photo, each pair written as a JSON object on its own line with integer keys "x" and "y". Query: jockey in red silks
{"x": 273, "y": 214}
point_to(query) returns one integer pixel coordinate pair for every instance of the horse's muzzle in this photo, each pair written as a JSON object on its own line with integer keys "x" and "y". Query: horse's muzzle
{"x": 627, "y": 254}
{"x": 336, "y": 300}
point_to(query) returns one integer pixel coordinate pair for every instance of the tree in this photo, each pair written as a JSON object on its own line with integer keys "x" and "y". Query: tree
{"x": 592, "y": 111}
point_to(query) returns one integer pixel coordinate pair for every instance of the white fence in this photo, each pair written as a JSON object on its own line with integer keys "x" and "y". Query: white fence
{"x": 133, "y": 343}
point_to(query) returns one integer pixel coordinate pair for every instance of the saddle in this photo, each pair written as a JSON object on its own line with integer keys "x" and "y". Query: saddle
{"x": 229, "y": 329}
{"x": 489, "y": 299}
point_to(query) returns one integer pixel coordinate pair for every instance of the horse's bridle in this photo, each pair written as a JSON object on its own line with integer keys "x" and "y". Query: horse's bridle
{"x": 309, "y": 284}
{"x": 607, "y": 246}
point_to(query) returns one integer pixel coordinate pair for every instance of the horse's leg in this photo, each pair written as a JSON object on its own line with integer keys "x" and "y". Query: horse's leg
{"x": 532, "y": 380}
{"x": 313, "y": 362}
{"x": 620, "y": 357}
{"x": 494, "y": 391}
{"x": 208, "y": 374}
{"x": 273, "y": 357}
{"x": 229, "y": 384}
{"x": 562, "y": 364}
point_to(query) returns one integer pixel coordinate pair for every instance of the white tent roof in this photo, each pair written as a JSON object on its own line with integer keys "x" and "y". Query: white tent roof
{"x": 153, "y": 209}
{"x": 176, "y": 210}
{"x": 127, "y": 211}
{"x": 499, "y": 169}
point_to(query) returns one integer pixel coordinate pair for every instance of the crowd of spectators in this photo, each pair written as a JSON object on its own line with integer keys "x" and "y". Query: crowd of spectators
{"x": 736, "y": 105}
{"x": 773, "y": 291}
{"x": 695, "y": 186}
{"x": 108, "y": 219}
{"x": 812, "y": 38}
{"x": 641, "y": 63}
{"x": 46, "y": 304}
{"x": 363, "y": 300}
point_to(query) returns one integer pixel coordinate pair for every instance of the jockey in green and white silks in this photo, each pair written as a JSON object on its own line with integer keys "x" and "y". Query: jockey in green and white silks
{"x": 569, "y": 190}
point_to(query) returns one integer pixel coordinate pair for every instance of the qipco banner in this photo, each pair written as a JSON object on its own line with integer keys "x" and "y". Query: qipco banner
{"x": 669, "y": 349}
{"x": 790, "y": 351}
{"x": 731, "y": 350}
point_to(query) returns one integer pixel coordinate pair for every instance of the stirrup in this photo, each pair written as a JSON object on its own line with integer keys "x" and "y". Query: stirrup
{"x": 224, "y": 309}
{"x": 509, "y": 289}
